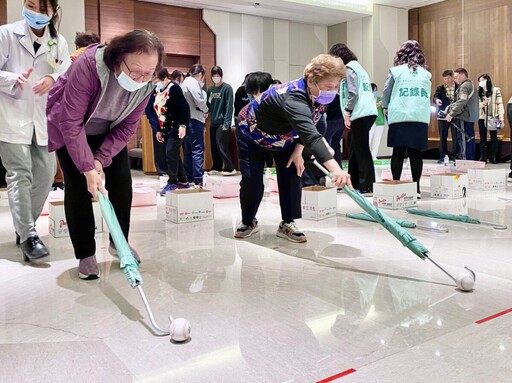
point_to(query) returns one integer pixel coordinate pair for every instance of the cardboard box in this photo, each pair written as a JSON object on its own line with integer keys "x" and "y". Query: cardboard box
{"x": 189, "y": 205}
{"x": 53, "y": 196}
{"x": 162, "y": 181}
{"x": 487, "y": 179}
{"x": 395, "y": 194}
{"x": 143, "y": 196}
{"x": 185, "y": 237}
{"x": 4, "y": 198}
{"x": 462, "y": 166}
{"x": 222, "y": 188}
{"x": 448, "y": 185}
{"x": 57, "y": 224}
{"x": 272, "y": 183}
{"x": 386, "y": 175}
{"x": 318, "y": 202}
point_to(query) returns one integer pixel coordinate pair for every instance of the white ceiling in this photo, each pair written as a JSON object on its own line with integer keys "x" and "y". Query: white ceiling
{"x": 324, "y": 12}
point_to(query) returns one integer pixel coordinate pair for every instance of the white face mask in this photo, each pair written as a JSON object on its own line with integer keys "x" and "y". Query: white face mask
{"x": 483, "y": 83}
{"x": 216, "y": 79}
{"x": 128, "y": 84}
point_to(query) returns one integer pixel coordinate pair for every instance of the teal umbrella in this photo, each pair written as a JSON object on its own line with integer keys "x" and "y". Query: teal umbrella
{"x": 394, "y": 228}
{"x": 127, "y": 261}
{"x": 402, "y": 222}
{"x": 455, "y": 217}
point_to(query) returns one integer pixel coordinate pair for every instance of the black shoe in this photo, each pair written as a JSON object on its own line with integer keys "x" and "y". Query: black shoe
{"x": 58, "y": 185}
{"x": 18, "y": 239}
{"x": 493, "y": 160}
{"x": 34, "y": 248}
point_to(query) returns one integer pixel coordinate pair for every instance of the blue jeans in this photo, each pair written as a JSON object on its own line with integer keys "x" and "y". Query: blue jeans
{"x": 193, "y": 151}
{"x": 469, "y": 129}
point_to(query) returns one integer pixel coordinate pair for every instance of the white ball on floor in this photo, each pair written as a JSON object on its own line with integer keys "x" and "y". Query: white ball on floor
{"x": 180, "y": 329}
{"x": 465, "y": 281}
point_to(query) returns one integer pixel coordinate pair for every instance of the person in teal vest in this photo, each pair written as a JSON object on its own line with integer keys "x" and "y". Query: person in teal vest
{"x": 360, "y": 112}
{"x": 379, "y": 125}
{"x": 406, "y": 101}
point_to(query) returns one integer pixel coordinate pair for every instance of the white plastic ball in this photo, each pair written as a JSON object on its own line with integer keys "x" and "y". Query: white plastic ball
{"x": 180, "y": 329}
{"x": 465, "y": 281}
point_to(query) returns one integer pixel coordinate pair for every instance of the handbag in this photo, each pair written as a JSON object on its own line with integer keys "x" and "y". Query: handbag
{"x": 493, "y": 123}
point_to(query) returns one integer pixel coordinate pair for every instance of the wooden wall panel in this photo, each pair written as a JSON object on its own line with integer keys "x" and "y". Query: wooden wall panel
{"x": 3, "y": 12}
{"x": 92, "y": 16}
{"x": 476, "y": 37}
{"x": 177, "y": 27}
{"x": 116, "y": 18}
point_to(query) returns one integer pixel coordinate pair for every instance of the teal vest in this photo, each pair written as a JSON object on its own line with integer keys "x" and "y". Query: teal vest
{"x": 410, "y": 97}
{"x": 365, "y": 105}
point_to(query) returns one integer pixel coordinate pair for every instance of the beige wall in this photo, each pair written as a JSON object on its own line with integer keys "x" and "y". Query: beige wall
{"x": 250, "y": 43}
{"x": 73, "y": 18}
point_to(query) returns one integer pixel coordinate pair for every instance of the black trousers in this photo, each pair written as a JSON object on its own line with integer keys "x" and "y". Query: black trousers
{"x": 483, "y": 141}
{"x": 415, "y": 159}
{"x": 175, "y": 169}
{"x": 252, "y": 162}
{"x": 3, "y": 172}
{"x": 360, "y": 163}
{"x": 78, "y": 203}
{"x": 219, "y": 142}
{"x": 159, "y": 155}
{"x": 443, "y": 127}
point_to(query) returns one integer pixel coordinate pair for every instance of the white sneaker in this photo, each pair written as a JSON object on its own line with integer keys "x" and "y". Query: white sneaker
{"x": 291, "y": 232}
{"x": 214, "y": 173}
{"x": 231, "y": 173}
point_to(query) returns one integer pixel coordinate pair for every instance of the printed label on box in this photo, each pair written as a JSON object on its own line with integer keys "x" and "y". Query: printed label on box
{"x": 57, "y": 224}
{"x": 318, "y": 202}
{"x": 448, "y": 185}
{"x": 394, "y": 194}
{"x": 487, "y": 179}
{"x": 189, "y": 205}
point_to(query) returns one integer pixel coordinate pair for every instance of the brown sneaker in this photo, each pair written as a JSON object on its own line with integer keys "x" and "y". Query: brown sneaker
{"x": 245, "y": 231}
{"x": 291, "y": 232}
{"x": 88, "y": 268}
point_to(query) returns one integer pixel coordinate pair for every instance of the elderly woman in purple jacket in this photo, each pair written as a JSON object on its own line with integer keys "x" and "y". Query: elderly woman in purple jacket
{"x": 93, "y": 110}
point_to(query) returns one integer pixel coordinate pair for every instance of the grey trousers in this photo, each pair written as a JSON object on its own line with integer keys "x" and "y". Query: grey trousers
{"x": 30, "y": 172}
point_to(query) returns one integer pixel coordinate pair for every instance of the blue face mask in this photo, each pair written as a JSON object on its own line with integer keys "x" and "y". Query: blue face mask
{"x": 375, "y": 94}
{"x": 35, "y": 20}
{"x": 160, "y": 86}
{"x": 129, "y": 84}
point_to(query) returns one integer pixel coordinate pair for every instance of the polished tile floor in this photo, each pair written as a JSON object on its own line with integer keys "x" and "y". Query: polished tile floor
{"x": 350, "y": 305}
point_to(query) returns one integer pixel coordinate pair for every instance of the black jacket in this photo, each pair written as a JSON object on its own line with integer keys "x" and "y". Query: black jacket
{"x": 440, "y": 94}
{"x": 241, "y": 100}
{"x": 176, "y": 110}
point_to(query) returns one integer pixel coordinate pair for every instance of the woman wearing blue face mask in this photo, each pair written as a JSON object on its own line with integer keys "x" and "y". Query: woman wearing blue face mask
{"x": 32, "y": 56}
{"x": 359, "y": 112}
{"x": 280, "y": 121}
{"x": 93, "y": 110}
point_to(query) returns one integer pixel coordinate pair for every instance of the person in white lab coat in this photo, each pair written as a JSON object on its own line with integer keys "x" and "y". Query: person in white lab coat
{"x": 32, "y": 56}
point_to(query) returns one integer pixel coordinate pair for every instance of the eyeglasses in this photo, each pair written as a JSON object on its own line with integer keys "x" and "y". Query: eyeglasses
{"x": 137, "y": 75}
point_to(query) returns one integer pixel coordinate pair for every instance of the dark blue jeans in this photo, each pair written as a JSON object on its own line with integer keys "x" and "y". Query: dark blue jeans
{"x": 469, "y": 129}
{"x": 159, "y": 156}
{"x": 193, "y": 151}
{"x": 252, "y": 162}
